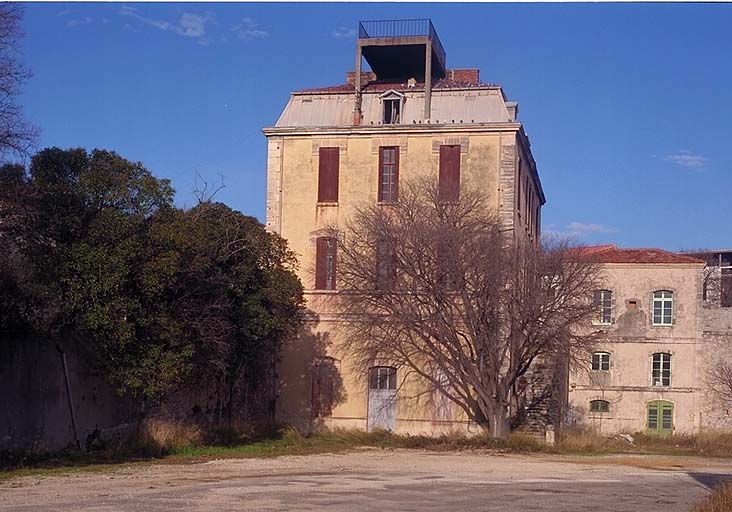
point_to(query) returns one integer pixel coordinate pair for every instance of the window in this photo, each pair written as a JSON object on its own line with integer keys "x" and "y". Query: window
{"x": 382, "y": 377}
{"x": 661, "y": 369}
{"x": 726, "y": 284}
{"x": 328, "y": 163}
{"x": 449, "y": 180}
{"x": 518, "y": 188}
{"x": 599, "y": 406}
{"x": 392, "y": 110}
{"x": 603, "y": 301}
{"x": 322, "y": 391}
{"x": 325, "y": 263}
{"x": 601, "y": 361}
{"x": 386, "y": 265}
{"x": 663, "y": 306}
{"x": 388, "y": 174}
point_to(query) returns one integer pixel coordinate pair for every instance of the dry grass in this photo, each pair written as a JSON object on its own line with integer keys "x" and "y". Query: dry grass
{"x": 159, "y": 438}
{"x": 588, "y": 441}
{"x": 156, "y": 438}
{"x": 710, "y": 443}
{"x": 719, "y": 501}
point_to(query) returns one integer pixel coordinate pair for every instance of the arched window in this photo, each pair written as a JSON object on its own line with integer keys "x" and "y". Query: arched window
{"x": 663, "y": 307}
{"x": 603, "y": 301}
{"x": 601, "y": 361}
{"x": 661, "y": 369}
{"x": 599, "y": 406}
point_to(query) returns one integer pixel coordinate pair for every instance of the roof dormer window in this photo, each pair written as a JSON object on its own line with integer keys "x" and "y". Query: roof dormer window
{"x": 393, "y": 102}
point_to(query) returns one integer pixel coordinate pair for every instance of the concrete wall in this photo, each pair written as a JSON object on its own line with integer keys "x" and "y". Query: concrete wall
{"x": 34, "y": 412}
{"x": 632, "y": 339}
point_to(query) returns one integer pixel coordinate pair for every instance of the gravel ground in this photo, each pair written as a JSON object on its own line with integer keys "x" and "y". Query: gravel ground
{"x": 372, "y": 479}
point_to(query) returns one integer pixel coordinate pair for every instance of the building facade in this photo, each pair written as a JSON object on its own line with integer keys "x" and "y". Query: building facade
{"x": 336, "y": 148}
{"x": 651, "y": 371}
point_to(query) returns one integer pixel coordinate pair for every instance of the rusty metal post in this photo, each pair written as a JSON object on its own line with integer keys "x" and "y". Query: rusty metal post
{"x": 428, "y": 80}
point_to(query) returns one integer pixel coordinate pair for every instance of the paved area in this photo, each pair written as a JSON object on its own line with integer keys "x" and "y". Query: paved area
{"x": 366, "y": 480}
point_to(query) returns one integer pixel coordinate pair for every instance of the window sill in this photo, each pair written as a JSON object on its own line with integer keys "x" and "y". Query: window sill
{"x": 665, "y": 326}
{"x": 327, "y": 203}
{"x": 319, "y": 291}
{"x": 602, "y": 324}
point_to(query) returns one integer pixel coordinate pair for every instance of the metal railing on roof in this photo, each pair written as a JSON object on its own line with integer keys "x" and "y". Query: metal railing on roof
{"x": 402, "y": 28}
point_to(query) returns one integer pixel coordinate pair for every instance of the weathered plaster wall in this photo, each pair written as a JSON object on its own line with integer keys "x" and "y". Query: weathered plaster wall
{"x": 632, "y": 339}
{"x": 296, "y": 215}
{"x": 717, "y": 339}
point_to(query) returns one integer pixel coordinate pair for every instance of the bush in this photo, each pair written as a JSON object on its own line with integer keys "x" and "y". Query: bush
{"x": 156, "y": 438}
{"x": 719, "y": 501}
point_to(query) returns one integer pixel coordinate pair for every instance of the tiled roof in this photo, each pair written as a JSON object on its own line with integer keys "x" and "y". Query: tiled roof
{"x": 613, "y": 254}
{"x": 382, "y": 85}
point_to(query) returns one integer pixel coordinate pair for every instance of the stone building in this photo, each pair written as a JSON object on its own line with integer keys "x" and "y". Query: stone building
{"x": 334, "y": 148}
{"x": 651, "y": 371}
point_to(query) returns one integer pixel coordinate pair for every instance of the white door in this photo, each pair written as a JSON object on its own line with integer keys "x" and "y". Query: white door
{"x": 382, "y": 398}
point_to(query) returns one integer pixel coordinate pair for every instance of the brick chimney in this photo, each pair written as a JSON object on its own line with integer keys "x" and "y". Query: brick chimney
{"x": 468, "y": 76}
{"x": 366, "y": 77}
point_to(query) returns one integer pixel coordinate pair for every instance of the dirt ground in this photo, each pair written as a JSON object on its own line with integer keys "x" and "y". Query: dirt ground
{"x": 373, "y": 479}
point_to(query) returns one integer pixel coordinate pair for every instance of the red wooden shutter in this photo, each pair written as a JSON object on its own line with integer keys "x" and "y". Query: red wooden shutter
{"x": 395, "y": 188}
{"x": 334, "y": 251}
{"x": 321, "y": 250}
{"x": 326, "y": 258}
{"x": 380, "y": 177}
{"x": 518, "y": 187}
{"x": 329, "y": 159}
{"x": 388, "y": 178}
{"x": 449, "y": 182}
{"x": 386, "y": 265}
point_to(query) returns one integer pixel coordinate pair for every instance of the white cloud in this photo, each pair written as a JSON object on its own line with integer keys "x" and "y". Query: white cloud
{"x": 79, "y": 21}
{"x": 344, "y": 33}
{"x": 248, "y": 28}
{"x": 687, "y": 160}
{"x": 189, "y": 25}
{"x": 577, "y": 230}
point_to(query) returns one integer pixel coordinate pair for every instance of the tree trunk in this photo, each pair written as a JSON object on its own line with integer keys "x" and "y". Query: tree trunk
{"x": 500, "y": 427}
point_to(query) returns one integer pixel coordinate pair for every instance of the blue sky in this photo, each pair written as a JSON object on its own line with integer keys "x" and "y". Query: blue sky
{"x": 628, "y": 106}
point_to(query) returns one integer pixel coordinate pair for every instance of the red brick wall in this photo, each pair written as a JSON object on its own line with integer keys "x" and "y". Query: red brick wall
{"x": 366, "y": 77}
{"x": 469, "y": 76}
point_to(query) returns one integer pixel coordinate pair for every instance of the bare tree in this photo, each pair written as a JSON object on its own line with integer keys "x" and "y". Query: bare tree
{"x": 16, "y": 135}
{"x": 719, "y": 377}
{"x": 439, "y": 289}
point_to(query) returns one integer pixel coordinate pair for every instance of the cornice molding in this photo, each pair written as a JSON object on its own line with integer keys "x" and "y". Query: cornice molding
{"x": 391, "y": 129}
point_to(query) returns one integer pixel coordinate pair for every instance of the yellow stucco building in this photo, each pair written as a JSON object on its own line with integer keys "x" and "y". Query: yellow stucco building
{"x": 334, "y": 148}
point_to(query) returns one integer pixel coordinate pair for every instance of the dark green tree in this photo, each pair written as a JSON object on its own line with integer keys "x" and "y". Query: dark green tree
{"x": 161, "y": 296}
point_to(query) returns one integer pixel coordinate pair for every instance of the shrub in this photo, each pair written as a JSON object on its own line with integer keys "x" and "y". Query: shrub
{"x": 719, "y": 501}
